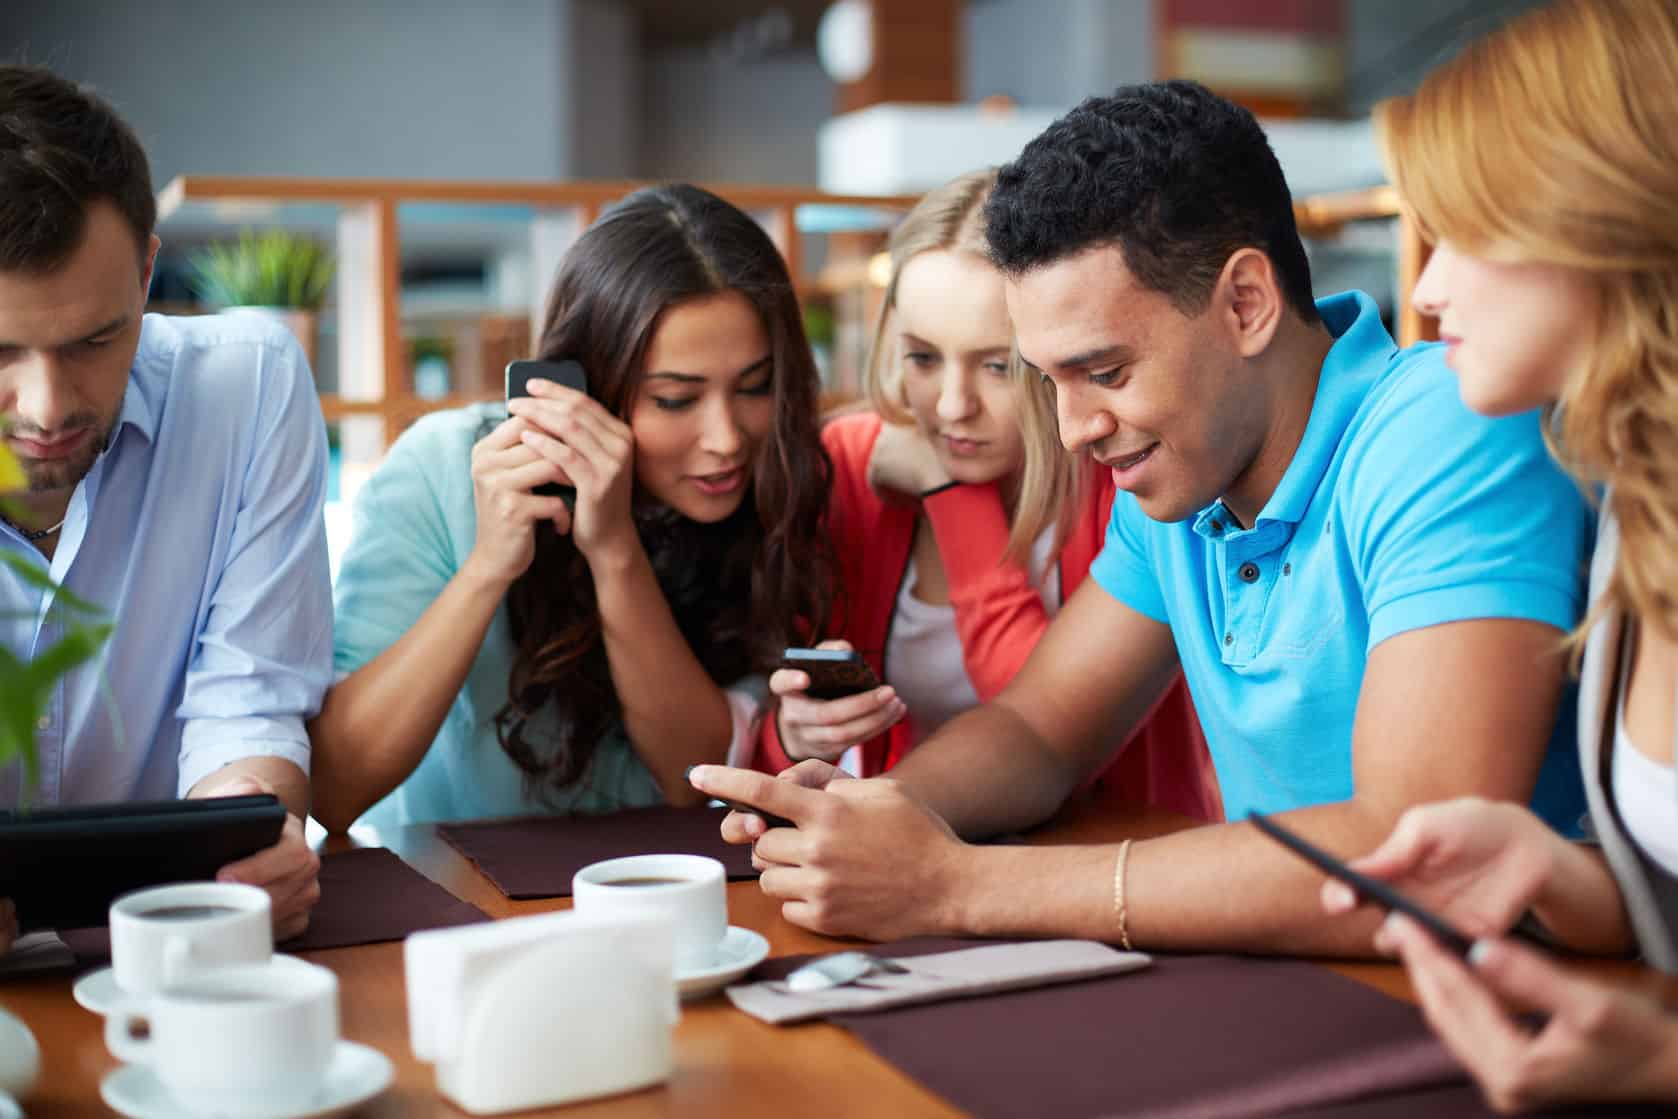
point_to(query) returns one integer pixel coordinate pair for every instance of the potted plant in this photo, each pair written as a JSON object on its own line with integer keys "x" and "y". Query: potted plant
{"x": 25, "y": 690}
{"x": 278, "y": 273}
{"x": 26, "y": 686}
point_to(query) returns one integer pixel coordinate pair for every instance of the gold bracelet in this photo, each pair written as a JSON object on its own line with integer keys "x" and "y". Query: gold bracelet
{"x": 1118, "y": 893}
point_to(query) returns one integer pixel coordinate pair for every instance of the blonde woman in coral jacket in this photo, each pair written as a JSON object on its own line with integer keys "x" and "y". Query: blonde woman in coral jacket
{"x": 960, "y": 525}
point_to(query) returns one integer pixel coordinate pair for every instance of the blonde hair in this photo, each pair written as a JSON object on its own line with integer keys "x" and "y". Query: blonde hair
{"x": 1555, "y": 140}
{"x": 951, "y": 218}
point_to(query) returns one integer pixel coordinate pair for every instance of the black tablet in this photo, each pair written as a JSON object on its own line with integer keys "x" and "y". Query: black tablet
{"x": 63, "y": 867}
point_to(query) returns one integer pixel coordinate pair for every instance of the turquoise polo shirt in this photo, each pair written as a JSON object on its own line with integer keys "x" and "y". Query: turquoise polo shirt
{"x": 1401, "y": 509}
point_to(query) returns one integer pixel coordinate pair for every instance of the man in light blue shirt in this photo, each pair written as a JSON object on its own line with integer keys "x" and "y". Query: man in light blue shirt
{"x": 175, "y": 473}
{"x": 1365, "y": 584}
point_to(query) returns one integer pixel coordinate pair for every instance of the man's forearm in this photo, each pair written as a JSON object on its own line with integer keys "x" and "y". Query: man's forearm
{"x": 1223, "y": 887}
{"x": 986, "y": 772}
{"x": 289, "y": 783}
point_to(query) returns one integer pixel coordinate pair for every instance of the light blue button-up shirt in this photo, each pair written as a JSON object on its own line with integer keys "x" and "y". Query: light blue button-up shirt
{"x": 1401, "y": 509}
{"x": 199, "y": 531}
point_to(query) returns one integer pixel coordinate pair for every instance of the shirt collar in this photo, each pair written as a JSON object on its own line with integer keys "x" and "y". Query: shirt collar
{"x": 139, "y": 403}
{"x": 1361, "y": 352}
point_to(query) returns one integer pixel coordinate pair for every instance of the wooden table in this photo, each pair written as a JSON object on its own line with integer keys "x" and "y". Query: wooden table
{"x": 726, "y": 1063}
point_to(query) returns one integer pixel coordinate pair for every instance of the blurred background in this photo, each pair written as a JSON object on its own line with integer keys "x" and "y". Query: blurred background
{"x": 399, "y": 178}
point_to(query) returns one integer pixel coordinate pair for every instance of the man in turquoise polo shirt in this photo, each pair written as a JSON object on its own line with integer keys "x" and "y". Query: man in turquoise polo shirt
{"x": 1364, "y": 583}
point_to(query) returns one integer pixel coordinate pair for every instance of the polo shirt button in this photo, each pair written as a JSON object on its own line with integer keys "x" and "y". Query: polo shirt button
{"x": 1229, "y": 639}
{"x": 1249, "y": 573}
{"x": 1217, "y": 526}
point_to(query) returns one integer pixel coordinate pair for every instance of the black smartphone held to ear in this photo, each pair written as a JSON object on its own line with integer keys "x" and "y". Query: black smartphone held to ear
{"x": 568, "y": 373}
{"x": 1376, "y": 891}
{"x": 834, "y": 673}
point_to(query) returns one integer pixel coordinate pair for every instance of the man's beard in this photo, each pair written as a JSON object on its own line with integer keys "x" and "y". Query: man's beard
{"x": 62, "y": 474}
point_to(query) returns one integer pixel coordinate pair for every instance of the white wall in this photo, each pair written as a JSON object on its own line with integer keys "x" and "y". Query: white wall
{"x": 714, "y": 121}
{"x": 401, "y": 88}
{"x": 1390, "y": 45}
{"x": 1055, "y": 53}
{"x": 601, "y": 91}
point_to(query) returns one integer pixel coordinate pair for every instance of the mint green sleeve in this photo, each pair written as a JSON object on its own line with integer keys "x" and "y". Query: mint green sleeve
{"x": 407, "y": 527}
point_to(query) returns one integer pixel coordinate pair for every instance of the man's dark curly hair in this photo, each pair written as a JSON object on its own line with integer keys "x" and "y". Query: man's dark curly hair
{"x": 1176, "y": 176}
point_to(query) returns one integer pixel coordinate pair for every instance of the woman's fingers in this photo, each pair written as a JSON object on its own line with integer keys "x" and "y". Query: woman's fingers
{"x": 851, "y": 732}
{"x": 523, "y": 479}
{"x": 575, "y": 413}
{"x": 504, "y": 435}
{"x": 832, "y": 712}
{"x": 788, "y": 681}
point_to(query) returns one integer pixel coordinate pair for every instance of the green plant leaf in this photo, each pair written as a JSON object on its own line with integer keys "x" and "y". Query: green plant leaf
{"x": 11, "y": 472}
{"x": 32, "y": 574}
{"x": 79, "y": 645}
{"x": 18, "y": 711}
{"x": 270, "y": 269}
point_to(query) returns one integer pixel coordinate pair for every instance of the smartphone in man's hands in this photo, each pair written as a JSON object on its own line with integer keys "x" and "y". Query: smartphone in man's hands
{"x": 833, "y": 673}
{"x": 568, "y": 373}
{"x": 769, "y": 818}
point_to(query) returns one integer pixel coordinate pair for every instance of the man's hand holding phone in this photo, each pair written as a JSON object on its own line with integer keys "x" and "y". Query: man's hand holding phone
{"x": 864, "y": 858}
{"x": 824, "y": 728}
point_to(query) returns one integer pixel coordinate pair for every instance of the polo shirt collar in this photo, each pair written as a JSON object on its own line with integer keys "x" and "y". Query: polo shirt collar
{"x": 1361, "y": 352}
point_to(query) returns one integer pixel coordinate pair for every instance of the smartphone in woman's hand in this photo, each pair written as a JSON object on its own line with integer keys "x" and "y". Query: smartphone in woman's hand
{"x": 833, "y": 673}
{"x": 568, "y": 373}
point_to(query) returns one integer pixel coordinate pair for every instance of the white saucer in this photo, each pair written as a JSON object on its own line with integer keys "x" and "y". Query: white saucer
{"x": 98, "y": 991}
{"x": 357, "y": 1074}
{"x": 740, "y": 951}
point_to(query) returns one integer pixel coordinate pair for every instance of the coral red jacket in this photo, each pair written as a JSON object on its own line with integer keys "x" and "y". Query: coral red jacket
{"x": 999, "y": 615}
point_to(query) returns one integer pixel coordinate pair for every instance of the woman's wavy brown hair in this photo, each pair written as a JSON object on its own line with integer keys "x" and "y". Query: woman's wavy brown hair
{"x": 742, "y": 589}
{"x": 1555, "y": 140}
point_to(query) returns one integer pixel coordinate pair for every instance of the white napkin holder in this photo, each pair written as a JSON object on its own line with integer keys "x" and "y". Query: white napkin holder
{"x": 537, "y": 1011}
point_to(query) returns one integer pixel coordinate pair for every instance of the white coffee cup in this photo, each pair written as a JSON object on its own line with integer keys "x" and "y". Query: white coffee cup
{"x": 161, "y": 934}
{"x": 690, "y": 889}
{"x": 239, "y": 1040}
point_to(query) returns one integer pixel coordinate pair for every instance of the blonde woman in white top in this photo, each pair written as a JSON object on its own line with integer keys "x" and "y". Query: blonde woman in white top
{"x": 1543, "y": 161}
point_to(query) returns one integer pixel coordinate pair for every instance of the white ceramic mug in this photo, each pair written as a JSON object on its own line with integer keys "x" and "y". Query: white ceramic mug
{"x": 161, "y": 934}
{"x": 240, "y": 1040}
{"x": 689, "y": 889}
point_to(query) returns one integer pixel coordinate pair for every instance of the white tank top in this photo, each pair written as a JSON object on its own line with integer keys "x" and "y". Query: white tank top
{"x": 923, "y": 653}
{"x": 1646, "y": 793}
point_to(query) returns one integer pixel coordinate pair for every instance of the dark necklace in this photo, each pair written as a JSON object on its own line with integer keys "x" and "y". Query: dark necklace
{"x": 33, "y": 535}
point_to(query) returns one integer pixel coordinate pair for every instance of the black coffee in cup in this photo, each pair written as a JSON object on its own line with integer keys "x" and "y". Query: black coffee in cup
{"x": 644, "y": 882}
{"x": 186, "y": 912}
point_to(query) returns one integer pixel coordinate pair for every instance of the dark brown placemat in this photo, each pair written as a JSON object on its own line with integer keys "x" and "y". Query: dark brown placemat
{"x": 1190, "y": 1036}
{"x": 535, "y": 856}
{"x": 370, "y": 895}
{"x": 1451, "y": 1100}
{"x": 367, "y": 895}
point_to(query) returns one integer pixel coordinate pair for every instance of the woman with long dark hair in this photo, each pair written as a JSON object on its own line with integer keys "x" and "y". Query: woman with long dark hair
{"x": 501, "y": 652}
